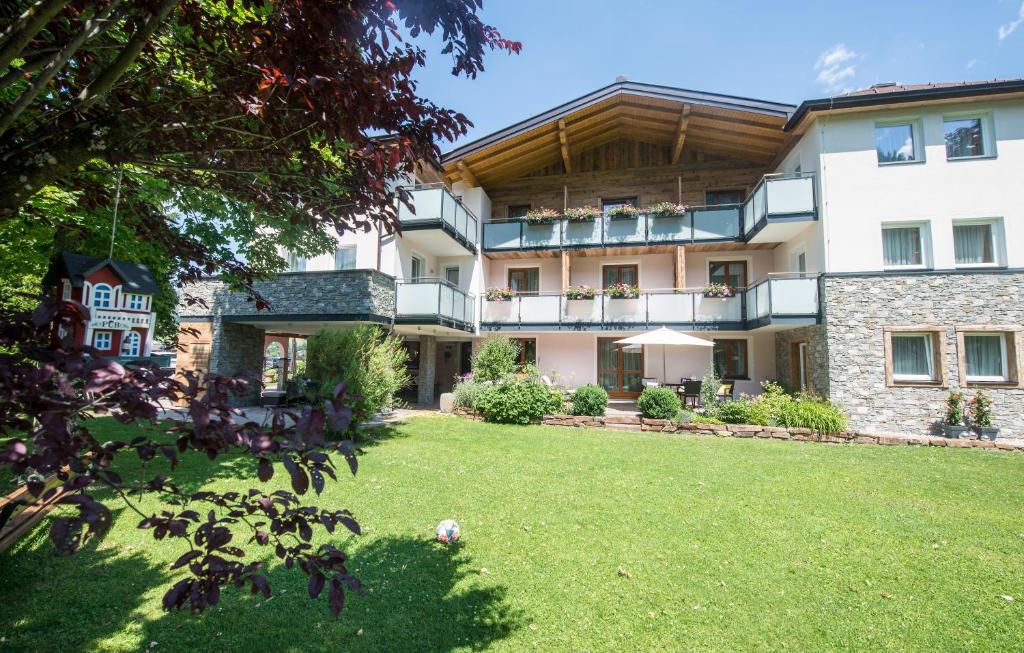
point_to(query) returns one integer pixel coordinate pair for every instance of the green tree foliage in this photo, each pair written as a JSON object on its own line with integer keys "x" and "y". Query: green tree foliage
{"x": 371, "y": 364}
{"x": 496, "y": 359}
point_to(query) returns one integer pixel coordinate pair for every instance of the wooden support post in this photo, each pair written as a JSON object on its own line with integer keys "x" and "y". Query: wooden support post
{"x": 563, "y": 139}
{"x": 680, "y": 267}
{"x": 684, "y": 120}
{"x": 679, "y": 189}
{"x": 565, "y": 197}
{"x": 565, "y": 271}
{"x": 467, "y": 174}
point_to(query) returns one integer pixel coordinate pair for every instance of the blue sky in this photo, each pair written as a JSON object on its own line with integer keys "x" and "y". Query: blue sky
{"x": 781, "y": 51}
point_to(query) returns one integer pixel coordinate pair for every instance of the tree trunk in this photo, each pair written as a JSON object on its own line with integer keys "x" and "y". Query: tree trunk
{"x": 23, "y": 178}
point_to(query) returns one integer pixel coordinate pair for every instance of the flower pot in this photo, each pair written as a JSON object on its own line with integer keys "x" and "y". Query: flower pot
{"x": 618, "y": 218}
{"x": 968, "y": 434}
{"x": 623, "y": 297}
{"x": 667, "y": 215}
{"x": 953, "y": 431}
{"x": 579, "y": 299}
{"x": 986, "y": 432}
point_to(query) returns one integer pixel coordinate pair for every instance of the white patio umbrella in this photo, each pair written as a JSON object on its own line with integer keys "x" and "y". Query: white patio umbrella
{"x": 665, "y": 337}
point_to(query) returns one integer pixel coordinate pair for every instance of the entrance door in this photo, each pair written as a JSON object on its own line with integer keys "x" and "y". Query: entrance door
{"x": 620, "y": 369}
{"x": 798, "y": 366}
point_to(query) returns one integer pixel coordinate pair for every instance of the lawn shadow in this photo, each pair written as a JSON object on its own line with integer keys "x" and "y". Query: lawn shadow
{"x": 419, "y": 596}
{"x": 58, "y": 602}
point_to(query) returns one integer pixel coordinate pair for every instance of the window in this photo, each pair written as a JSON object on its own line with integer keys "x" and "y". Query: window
{"x": 451, "y": 274}
{"x": 295, "y": 262}
{"x": 730, "y": 358}
{"x": 136, "y": 302}
{"x": 416, "y": 267}
{"x": 731, "y": 273}
{"x": 524, "y": 281}
{"x": 720, "y": 197}
{"x": 102, "y": 340}
{"x": 801, "y": 262}
{"x": 895, "y": 143}
{"x": 964, "y": 138}
{"x": 131, "y": 344}
{"x": 915, "y": 355}
{"x": 974, "y": 243}
{"x": 608, "y": 205}
{"x": 345, "y": 258}
{"x": 903, "y": 246}
{"x": 101, "y": 296}
{"x": 67, "y": 289}
{"x": 527, "y": 351}
{"x": 518, "y": 210}
{"x": 985, "y": 357}
{"x": 613, "y": 274}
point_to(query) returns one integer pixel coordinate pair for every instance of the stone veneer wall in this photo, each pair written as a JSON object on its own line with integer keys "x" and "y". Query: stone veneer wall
{"x": 334, "y": 292}
{"x": 857, "y": 308}
{"x": 817, "y": 353}
{"x": 237, "y": 350}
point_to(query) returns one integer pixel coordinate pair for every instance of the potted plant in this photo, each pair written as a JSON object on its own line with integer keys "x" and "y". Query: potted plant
{"x": 981, "y": 415}
{"x": 579, "y": 292}
{"x": 719, "y": 290}
{"x": 499, "y": 294}
{"x": 666, "y": 209}
{"x": 582, "y": 214}
{"x": 623, "y": 212}
{"x": 953, "y": 426}
{"x": 541, "y": 216}
{"x": 622, "y": 291}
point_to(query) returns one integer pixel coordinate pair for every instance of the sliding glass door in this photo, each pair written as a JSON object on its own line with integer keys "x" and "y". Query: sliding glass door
{"x": 620, "y": 369}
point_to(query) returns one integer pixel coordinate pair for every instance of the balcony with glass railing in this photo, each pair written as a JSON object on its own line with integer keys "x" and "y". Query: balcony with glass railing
{"x": 434, "y": 302}
{"x": 781, "y": 299}
{"x": 435, "y": 209}
{"x": 777, "y": 204}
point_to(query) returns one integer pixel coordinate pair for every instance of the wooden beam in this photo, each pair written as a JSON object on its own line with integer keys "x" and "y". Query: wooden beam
{"x": 565, "y": 270}
{"x": 467, "y": 174}
{"x": 680, "y": 265}
{"x": 564, "y": 140}
{"x": 684, "y": 121}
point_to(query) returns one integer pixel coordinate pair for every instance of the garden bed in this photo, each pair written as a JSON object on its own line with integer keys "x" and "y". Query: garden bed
{"x": 637, "y": 423}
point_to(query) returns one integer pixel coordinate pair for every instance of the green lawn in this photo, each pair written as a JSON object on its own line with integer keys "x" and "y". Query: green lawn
{"x": 590, "y": 540}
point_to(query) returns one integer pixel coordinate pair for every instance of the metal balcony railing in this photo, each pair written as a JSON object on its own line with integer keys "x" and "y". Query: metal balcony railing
{"x": 436, "y": 206}
{"x": 434, "y": 301}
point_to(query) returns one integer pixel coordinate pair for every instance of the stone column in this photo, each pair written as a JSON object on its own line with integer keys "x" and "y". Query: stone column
{"x": 428, "y": 369}
{"x": 237, "y": 350}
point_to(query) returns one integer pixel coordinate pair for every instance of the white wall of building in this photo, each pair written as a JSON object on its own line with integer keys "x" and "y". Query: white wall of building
{"x": 860, "y": 194}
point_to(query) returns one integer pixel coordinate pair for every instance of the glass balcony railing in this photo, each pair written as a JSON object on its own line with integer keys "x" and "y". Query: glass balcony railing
{"x": 433, "y": 301}
{"x": 792, "y": 295}
{"x": 783, "y": 196}
{"x": 436, "y": 206}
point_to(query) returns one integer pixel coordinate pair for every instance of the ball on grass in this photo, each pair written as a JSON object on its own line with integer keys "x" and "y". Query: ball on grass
{"x": 447, "y": 531}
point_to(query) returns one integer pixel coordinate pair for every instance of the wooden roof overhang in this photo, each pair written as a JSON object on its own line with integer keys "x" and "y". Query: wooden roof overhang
{"x": 742, "y": 128}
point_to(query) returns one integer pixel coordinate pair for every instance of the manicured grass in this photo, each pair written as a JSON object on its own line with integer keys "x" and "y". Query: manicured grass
{"x": 590, "y": 540}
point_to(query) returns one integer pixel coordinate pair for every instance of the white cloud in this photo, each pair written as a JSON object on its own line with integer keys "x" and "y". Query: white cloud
{"x": 972, "y": 63}
{"x": 836, "y": 65}
{"x": 1011, "y": 27}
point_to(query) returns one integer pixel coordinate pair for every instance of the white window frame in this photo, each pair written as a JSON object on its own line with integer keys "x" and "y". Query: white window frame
{"x": 108, "y": 336}
{"x": 916, "y": 133}
{"x": 108, "y": 302}
{"x": 355, "y": 256}
{"x": 930, "y": 350}
{"x": 295, "y": 262}
{"x": 997, "y": 241}
{"x": 458, "y": 270}
{"x": 135, "y": 339}
{"x": 413, "y": 256}
{"x": 131, "y": 299}
{"x": 1003, "y": 352}
{"x": 988, "y": 140}
{"x": 923, "y": 234}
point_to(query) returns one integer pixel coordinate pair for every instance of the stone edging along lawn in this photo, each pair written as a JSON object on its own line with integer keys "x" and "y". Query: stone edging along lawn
{"x": 632, "y": 423}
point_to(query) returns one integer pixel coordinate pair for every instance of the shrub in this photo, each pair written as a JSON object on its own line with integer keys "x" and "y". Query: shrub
{"x": 589, "y": 400}
{"x": 981, "y": 410}
{"x": 687, "y": 416}
{"x": 733, "y": 412}
{"x": 497, "y": 358}
{"x": 518, "y": 402}
{"x": 955, "y": 408}
{"x": 659, "y": 403}
{"x": 813, "y": 413}
{"x": 370, "y": 363}
{"x": 467, "y": 392}
{"x": 709, "y": 386}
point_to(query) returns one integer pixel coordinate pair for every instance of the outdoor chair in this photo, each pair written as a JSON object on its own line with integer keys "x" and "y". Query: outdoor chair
{"x": 690, "y": 391}
{"x": 650, "y": 382}
{"x": 726, "y": 391}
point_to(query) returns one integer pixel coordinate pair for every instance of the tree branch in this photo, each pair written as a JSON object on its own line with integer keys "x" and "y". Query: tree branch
{"x": 106, "y": 80}
{"x": 21, "y": 32}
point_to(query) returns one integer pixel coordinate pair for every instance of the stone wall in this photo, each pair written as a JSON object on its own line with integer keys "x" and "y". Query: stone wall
{"x": 857, "y": 308}
{"x": 817, "y": 355}
{"x": 334, "y": 292}
{"x": 237, "y": 350}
